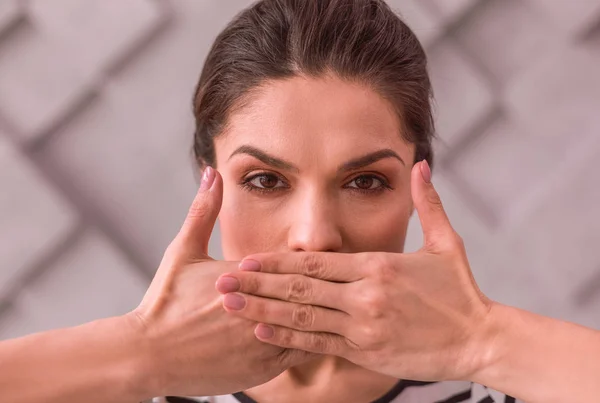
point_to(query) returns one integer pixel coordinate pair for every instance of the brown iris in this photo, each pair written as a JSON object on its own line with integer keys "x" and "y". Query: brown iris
{"x": 364, "y": 182}
{"x": 268, "y": 181}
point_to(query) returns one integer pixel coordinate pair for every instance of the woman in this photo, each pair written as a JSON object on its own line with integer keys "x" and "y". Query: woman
{"x": 314, "y": 112}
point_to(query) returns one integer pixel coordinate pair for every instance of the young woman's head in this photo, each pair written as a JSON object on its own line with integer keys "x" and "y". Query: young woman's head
{"x": 314, "y": 112}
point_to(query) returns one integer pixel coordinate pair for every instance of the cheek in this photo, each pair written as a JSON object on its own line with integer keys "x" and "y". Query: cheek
{"x": 247, "y": 226}
{"x": 381, "y": 227}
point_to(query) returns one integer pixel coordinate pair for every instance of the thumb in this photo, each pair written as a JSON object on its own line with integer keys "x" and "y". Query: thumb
{"x": 195, "y": 232}
{"x": 438, "y": 233}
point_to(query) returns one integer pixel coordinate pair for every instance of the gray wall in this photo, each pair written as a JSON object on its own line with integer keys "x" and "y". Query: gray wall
{"x": 95, "y": 128}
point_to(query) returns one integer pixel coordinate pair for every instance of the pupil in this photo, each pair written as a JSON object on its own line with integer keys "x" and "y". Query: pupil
{"x": 364, "y": 182}
{"x": 268, "y": 181}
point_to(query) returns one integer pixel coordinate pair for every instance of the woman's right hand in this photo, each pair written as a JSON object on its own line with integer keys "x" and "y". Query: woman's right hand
{"x": 194, "y": 347}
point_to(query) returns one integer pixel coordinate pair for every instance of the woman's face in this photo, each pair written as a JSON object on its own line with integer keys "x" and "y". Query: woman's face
{"x": 314, "y": 165}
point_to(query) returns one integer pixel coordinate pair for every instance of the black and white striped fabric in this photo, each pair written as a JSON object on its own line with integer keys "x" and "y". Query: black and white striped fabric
{"x": 404, "y": 392}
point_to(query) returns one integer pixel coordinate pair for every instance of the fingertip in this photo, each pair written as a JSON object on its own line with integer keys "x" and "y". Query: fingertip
{"x": 234, "y": 302}
{"x": 425, "y": 171}
{"x": 215, "y": 192}
{"x": 250, "y": 265}
{"x": 211, "y": 186}
{"x": 226, "y": 283}
{"x": 416, "y": 183}
{"x": 421, "y": 182}
{"x": 208, "y": 178}
{"x": 259, "y": 261}
{"x": 217, "y": 182}
{"x": 264, "y": 332}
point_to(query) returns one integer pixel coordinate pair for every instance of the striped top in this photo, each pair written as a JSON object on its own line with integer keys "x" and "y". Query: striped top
{"x": 404, "y": 392}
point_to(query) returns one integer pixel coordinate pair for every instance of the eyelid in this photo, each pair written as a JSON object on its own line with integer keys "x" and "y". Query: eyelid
{"x": 255, "y": 177}
{"x": 385, "y": 183}
{"x": 260, "y": 172}
{"x": 252, "y": 174}
{"x": 377, "y": 176}
{"x": 246, "y": 180}
{"x": 380, "y": 180}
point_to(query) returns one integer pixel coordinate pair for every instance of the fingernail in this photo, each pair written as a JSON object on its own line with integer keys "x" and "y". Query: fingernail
{"x": 264, "y": 332}
{"x": 227, "y": 284}
{"x": 234, "y": 302}
{"x": 425, "y": 171}
{"x": 249, "y": 265}
{"x": 208, "y": 177}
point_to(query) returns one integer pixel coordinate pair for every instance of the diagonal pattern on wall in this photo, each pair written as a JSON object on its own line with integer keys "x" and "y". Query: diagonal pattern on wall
{"x": 95, "y": 132}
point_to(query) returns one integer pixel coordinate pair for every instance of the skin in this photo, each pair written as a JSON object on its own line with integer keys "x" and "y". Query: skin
{"x": 430, "y": 323}
{"x": 315, "y": 165}
{"x": 413, "y": 316}
{"x": 178, "y": 341}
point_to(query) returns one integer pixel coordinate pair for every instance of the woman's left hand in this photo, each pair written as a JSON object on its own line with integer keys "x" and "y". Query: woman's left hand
{"x": 415, "y": 316}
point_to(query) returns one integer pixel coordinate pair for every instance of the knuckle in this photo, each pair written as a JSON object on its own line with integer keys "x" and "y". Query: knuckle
{"x": 373, "y": 303}
{"x": 375, "y": 310}
{"x": 312, "y": 266}
{"x": 285, "y": 336}
{"x": 457, "y": 241}
{"x": 261, "y": 310}
{"x": 198, "y": 209}
{"x": 433, "y": 198}
{"x": 318, "y": 342}
{"x": 299, "y": 289}
{"x": 250, "y": 284}
{"x": 371, "y": 334}
{"x": 452, "y": 245}
{"x": 174, "y": 255}
{"x": 171, "y": 252}
{"x": 303, "y": 317}
{"x": 381, "y": 266}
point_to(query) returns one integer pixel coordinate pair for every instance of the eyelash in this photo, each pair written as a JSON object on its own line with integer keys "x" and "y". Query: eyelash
{"x": 385, "y": 184}
{"x": 247, "y": 185}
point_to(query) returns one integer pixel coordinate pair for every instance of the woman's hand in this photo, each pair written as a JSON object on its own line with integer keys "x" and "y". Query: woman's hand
{"x": 193, "y": 346}
{"x": 416, "y": 316}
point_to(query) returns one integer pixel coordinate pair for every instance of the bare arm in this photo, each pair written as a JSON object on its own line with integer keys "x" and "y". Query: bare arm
{"x": 97, "y": 362}
{"x": 416, "y": 316}
{"x": 162, "y": 347}
{"x": 539, "y": 359}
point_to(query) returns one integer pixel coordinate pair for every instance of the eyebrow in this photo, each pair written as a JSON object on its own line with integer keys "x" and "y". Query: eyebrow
{"x": 353, "y": 164}
{"x": 265, "y": 158}
{"x": 369, "y": 159}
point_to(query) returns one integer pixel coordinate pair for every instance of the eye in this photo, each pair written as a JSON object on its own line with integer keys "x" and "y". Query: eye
{"x": 264, "y": 182}
{"x": 368, "y": 183}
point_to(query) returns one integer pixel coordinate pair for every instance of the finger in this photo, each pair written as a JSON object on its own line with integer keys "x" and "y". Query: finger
{"x": 296, "y": 316}
{"x": 285, "y": 287}
{"x": 195, "y": 232}
{"x": 437, "y": 230}
{"x": 319, "y": 343}
{"x": 339, "y": 267}
{"x": 291, "y": 358}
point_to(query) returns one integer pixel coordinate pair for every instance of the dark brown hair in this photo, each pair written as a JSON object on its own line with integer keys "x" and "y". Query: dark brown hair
{"x": 358, "y": 40}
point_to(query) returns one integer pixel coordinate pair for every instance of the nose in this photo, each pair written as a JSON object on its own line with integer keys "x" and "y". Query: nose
{"x": 314, "y": 227}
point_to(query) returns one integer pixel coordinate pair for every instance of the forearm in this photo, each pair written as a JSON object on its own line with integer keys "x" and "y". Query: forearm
{"x": 539, "y": 359}
{"x": 101, "y": 361}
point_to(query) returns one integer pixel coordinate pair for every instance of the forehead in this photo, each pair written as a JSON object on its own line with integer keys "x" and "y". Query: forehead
{"x": 327, "y": 114}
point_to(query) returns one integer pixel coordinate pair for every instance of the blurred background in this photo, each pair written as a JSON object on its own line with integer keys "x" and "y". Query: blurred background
{"x": 96, "y": 129}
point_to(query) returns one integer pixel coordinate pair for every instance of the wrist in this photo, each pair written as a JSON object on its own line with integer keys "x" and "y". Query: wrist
{"x": 491, "y": 351}
{"x": 141, "y": 378}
